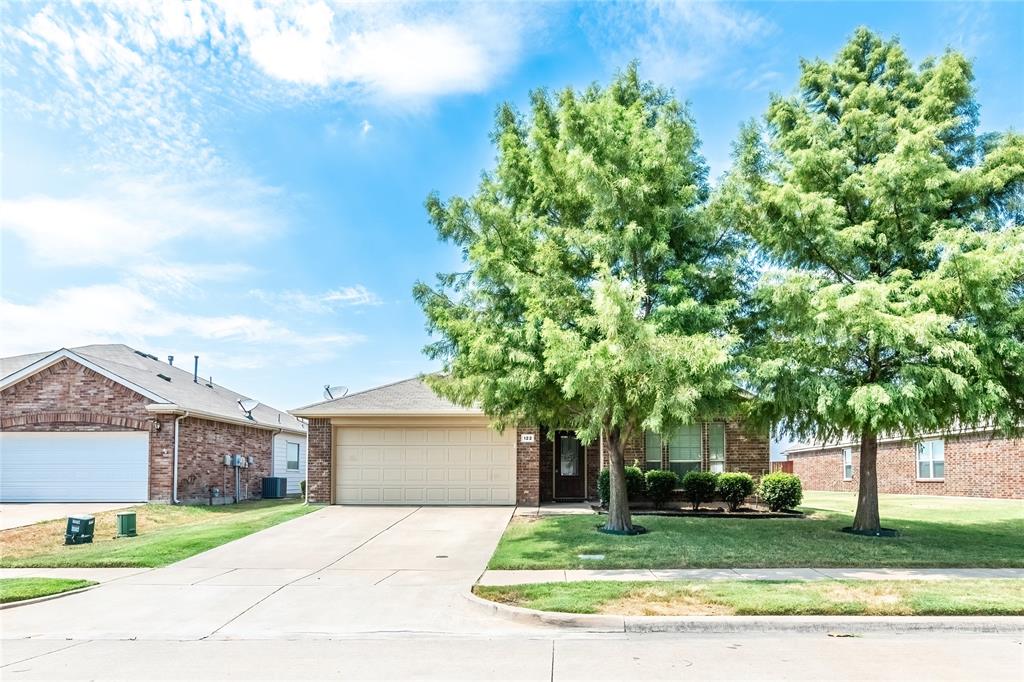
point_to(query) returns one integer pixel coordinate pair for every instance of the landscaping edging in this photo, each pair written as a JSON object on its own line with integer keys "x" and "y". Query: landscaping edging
{"x": 37, "y": 600}
{"x": 737, "y": 624}
{"x": 707, "y": 513}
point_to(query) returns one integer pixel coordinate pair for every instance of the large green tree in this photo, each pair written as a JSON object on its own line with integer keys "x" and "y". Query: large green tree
{"x": 596, "y": 295}
{"x": 894, "y": 261}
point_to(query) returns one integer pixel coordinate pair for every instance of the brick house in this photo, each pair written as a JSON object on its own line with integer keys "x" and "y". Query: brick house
{"x": 403, "y": 444}
{"x": 977, "y": 463}
{"x": 109, "y": 423}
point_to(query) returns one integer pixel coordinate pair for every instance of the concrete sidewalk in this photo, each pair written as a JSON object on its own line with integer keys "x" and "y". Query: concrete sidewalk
{"x": 572, "y": 575}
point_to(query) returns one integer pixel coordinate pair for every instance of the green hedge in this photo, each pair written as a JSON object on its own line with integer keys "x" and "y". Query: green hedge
{"x": 636, "y": 484}
{"x": 781, "y": 491}
{"x": 699, "y": 487}
{"x": 734, "y": 487}
{"x": 660, "y": 485}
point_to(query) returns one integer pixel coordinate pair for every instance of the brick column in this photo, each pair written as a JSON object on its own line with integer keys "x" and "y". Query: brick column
{"x": 528, "y": 467}
{"x": 319, "y": 447}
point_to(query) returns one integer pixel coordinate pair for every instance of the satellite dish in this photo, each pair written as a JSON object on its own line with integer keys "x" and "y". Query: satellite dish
{"x": 248, "y": 405}
{"x": 335, "y": 392}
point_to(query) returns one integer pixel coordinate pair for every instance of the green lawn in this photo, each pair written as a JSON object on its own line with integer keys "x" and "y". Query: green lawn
{"x": 934, "y": 531}
{"x": 760, "y": 598}
{"x": 19, "y": 589}
{"x": 165, "y": 534}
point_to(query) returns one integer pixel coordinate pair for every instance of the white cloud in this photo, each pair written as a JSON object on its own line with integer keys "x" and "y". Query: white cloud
{"x": 677, "y": 43}
{"x": 119, "y": 313}
{"x": 328, "y": 301}
{"x": 365, "y": 128}
{"x": 120, "y": 224}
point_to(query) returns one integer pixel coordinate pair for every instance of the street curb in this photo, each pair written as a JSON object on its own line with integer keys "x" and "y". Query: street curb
{"x": 584, "y": 621}
{"x": 763, "y": 624}
{"x": 37, "y": 600}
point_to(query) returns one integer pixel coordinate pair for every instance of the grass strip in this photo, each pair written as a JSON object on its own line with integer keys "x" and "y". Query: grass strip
{"x": 988, "y": 597}
{"x": 20, "y": 589}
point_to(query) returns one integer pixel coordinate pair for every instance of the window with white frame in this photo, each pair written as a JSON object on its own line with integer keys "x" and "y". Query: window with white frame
{"x": 293, "y": 457}
{"x": 847, "y": 464}
{"x": 652, "y": 450}
{"x": 684, "y": 450}
{"x": 716, "y": 447}
{"x": 931, "y": 460}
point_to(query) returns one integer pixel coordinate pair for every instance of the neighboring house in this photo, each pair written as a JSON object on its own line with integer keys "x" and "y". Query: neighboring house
{"x": 403, "y": 444}
{"x": 109, "y": 423}
{"x": 975, "y": 463}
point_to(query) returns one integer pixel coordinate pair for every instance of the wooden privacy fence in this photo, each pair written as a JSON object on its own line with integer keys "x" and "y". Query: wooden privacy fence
{"x": 782, "y": 466}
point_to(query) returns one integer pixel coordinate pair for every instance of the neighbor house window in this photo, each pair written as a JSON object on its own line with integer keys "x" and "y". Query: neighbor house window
{"x": 716, "y": 447}
{"x": 684, "y": 450}
{"x": 931, "y": 459}
{"x": 847, "y": 464}
{"x": 293, "y": 457}
{"x": 652, "y": 450}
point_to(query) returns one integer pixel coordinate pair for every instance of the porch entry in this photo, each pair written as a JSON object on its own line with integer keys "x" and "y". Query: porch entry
{"x": 570, "y": 467}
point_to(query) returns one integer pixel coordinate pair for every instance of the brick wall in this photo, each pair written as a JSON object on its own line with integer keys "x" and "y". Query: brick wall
{"x": 202, "y": 445}
{"x": 161, "y": 459}
{"x": 320, "y": 447}
{"x": 528, "y": 466}
{"x": 976, "y": 465}
{"x": 67, "y": 396}
{"x": 547, "y": 465}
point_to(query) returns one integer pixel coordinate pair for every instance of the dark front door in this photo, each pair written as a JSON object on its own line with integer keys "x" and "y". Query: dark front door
{"x": 570, "y": 464}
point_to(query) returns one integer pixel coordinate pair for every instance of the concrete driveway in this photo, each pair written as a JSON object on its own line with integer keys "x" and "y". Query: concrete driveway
{"x": 13, "y": 515}
{"x": 336, "y": 572}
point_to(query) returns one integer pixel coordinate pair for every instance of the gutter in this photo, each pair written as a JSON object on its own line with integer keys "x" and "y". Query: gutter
{"x": 895, "y": 439}
{"x": 174, "y": 468}
{"x": 171, "y": 408}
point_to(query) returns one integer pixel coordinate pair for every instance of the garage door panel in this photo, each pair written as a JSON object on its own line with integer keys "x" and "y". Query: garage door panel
{"x": 420, "y": 465}
{"x": 74, "y": 466}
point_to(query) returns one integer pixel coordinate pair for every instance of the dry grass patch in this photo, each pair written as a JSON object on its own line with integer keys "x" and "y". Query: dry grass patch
{"x": 691, "y": 600}
{"x": 165, "y": 534}
{"x": 48, "y": 536}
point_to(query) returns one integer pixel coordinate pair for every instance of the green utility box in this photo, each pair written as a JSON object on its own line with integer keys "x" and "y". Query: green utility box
{"x": 79, "y": 530}
{"x": 126, "y": 525}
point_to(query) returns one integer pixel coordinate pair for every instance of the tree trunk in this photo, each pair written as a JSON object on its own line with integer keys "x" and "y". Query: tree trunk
{"x": 866, "y": 518}
{"x": 619, "y": 519}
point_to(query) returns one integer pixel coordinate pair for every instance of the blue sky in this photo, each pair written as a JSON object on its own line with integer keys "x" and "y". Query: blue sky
{"x": 246, "y": 181}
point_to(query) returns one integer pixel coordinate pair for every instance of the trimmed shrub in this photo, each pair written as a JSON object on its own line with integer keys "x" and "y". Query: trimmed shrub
{"x": 302, "y": 487}
{"x": 734, "y": 487}
{"x": 781, "y": 491}
{"x": 660, "y": 485}
{"x": 699, "y": 486}
{"x": 636, "y": 484}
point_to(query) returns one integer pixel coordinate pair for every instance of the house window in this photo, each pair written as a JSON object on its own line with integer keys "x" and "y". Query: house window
{"x": 847, "y": 464}
{"x": 652, "y": 450}
{"x": 684, "y": 450}
{"x": 716, "y": 447}
{"x": 293, "y": 457}
{"x": 931, "y": 460}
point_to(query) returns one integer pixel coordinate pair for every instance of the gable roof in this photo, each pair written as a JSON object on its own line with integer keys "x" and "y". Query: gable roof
{"x": 407, "y": 397}
{"x": 141, "y": 373}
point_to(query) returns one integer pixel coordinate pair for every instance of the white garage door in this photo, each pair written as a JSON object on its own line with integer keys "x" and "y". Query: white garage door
{"x": 74, "y": 467}
{"x": 396, "y": 465}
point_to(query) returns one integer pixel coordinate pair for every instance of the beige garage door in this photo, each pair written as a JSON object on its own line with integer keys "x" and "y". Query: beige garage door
{"x": 415, "y": 465}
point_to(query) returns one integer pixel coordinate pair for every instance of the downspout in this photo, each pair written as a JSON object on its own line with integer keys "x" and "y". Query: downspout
{"x": 174, "y": 468}
{"x": 273, "y": 456}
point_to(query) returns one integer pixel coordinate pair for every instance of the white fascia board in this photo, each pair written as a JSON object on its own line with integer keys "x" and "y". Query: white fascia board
{"x": 55, "y": 357}
{"x": 171, "y": 408}
{"x": 321, "y": 414}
